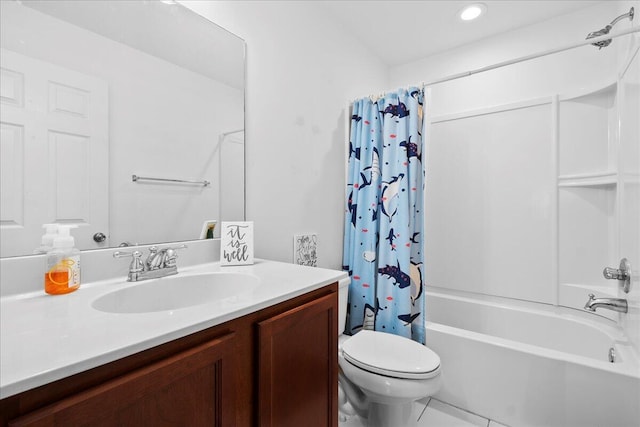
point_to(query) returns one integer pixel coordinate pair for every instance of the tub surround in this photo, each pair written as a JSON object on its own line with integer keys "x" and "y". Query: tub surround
{"x": 46, "y": 338}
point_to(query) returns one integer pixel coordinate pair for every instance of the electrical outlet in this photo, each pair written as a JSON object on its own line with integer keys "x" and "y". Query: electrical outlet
{"x": 305, "y": 249}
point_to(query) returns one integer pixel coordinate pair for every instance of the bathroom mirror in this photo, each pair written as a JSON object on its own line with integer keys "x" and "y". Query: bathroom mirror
{"x": 124, "y": 118}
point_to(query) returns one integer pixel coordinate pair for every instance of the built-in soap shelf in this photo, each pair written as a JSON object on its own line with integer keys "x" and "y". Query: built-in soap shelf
{"x": 601, "y": 91}
{"x": 588, "y": 192}
{"x": 587, "y": 137}
{"x": 598, "y": 179}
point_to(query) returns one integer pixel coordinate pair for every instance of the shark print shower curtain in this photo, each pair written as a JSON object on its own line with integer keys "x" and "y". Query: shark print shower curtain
{"x": 383, "y": 240}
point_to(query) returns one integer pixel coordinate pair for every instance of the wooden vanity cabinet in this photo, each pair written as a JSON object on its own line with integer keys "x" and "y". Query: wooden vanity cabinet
{"x": 275, "y": 367}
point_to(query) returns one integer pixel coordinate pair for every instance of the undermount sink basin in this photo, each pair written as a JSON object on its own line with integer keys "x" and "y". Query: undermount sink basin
{"x": 174, "y": 292}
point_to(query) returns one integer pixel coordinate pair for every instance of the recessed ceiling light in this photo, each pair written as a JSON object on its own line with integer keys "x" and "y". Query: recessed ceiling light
{"x": 473, "y": 11}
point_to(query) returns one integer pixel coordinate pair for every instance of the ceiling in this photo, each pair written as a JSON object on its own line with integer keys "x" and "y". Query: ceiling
{"x": 395, "y": 30}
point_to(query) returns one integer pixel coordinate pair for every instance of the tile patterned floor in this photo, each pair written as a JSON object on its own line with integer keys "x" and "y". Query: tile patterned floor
{"x": 434, "y": 413}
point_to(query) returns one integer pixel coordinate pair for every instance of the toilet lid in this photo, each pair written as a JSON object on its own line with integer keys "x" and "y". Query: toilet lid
{"x": 391, "y": 355}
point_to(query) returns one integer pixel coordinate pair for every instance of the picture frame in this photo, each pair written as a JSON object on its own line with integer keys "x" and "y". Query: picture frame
{"x": 208, "y": 228}
{"x": 305, "y": 249}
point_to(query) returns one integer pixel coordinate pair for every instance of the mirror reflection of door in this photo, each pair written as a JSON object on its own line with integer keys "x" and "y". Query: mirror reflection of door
{"x": 232, "y": 176}
{"x": 54, "y": 133}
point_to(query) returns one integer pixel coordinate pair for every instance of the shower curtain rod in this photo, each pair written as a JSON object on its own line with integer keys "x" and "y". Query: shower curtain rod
{"x": 519, "y": 59}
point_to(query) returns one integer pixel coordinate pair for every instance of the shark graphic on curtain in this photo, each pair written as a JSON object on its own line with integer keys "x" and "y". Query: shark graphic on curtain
{"x": 383, "y": 240}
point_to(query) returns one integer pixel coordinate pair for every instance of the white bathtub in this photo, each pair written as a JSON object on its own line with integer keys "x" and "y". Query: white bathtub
{"x": 528, "y": 364}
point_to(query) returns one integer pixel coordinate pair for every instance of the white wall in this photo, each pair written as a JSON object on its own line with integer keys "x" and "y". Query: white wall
{"x": 301, "y": 71}
{"x": 164, "y": 121}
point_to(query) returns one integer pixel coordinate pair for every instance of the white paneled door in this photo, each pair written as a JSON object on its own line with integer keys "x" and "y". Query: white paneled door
{"x": 54, "y": 153}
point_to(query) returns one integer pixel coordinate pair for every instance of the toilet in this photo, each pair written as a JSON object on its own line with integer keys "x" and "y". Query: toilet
{"x": 381, "y": 374}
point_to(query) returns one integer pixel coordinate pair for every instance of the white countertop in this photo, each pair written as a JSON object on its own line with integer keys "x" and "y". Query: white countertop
{"x": 45, "y": 338}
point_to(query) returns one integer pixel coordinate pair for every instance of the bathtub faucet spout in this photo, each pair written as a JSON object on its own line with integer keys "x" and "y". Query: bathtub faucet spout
{"x": 615, "y": 304}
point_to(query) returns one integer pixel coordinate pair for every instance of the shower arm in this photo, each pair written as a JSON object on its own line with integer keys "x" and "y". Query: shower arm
{"x": 605, "y": 30}
{"x": 621, "y": 17}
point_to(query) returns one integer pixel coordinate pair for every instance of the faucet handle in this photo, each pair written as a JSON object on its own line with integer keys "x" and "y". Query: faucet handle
{"x": 613, "y": 273}
{"x": 622, "y": 273}
{"x": 171, "y": 255}
{"x": 136, "y": 265}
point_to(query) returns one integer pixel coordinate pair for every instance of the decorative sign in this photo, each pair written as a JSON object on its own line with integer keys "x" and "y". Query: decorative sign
{"x": 305, "y": 249}
{"x": 236, "y": 246}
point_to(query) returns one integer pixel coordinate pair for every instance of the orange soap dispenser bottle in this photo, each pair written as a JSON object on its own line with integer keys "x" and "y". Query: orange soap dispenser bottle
{"x": 63, "y": 264}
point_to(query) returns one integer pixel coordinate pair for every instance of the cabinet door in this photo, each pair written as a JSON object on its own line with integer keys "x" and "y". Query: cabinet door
{"x": 298, "y": 366}
{"x": 192, "y": 388}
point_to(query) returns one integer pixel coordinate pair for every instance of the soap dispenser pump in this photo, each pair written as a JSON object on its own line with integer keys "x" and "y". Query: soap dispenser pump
{"x": 46, "y": 243}
{"x": 63, "y": 264}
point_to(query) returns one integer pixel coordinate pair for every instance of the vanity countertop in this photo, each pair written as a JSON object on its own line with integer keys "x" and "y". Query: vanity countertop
{"x": 45, "y": 338}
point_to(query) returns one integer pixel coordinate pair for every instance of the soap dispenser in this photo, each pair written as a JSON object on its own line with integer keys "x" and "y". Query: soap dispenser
{"x": 46, "y": 244}
{"x": 63, "y": 264}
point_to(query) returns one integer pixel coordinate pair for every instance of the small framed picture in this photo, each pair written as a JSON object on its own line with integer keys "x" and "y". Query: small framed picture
{"x": 208, "y": 228}
{"x": 305, "y": 249}
{"x": 236, "y": 244}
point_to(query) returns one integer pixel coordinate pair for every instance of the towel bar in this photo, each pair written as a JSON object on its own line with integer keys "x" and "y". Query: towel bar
{"x": 135, "y": 178}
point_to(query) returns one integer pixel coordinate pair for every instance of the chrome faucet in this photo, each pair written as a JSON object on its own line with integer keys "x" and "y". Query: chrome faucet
{"x": 615, "y": 304}
{"x": 159, "y": 263}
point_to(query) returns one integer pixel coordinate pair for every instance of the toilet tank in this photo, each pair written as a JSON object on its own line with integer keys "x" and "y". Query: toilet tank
{"x": 343, "y": 295}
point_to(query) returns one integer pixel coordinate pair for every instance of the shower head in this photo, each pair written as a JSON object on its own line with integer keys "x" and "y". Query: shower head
{"x": 605, "y": 30}
{"x": 602, "y": 32}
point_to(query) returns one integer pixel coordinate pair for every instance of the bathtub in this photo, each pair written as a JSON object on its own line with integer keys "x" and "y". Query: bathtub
{"x": 529, "y": 364}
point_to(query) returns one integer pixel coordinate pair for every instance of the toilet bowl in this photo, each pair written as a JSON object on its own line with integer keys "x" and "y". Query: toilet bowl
{"x": 382, "y": 375}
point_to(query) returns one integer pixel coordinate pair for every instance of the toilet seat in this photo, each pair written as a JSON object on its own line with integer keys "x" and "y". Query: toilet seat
{"x": 391, "y": 355}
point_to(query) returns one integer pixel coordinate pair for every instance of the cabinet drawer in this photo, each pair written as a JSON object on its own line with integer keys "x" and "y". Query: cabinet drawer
{"x": 194, "y": 388}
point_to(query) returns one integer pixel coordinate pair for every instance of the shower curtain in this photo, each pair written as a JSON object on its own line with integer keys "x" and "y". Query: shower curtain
{"x": 383, "y": 239}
